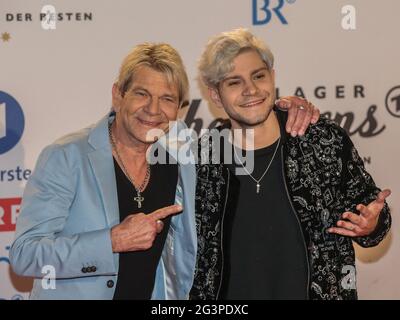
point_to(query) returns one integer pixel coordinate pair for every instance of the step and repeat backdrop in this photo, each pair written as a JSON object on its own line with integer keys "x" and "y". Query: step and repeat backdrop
{"x": 58, "y": 61}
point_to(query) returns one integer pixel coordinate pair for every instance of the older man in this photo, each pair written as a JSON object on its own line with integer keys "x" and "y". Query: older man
{"x": 96, "y": 216}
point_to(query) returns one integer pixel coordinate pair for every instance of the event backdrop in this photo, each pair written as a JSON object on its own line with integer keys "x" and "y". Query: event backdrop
{"x": 58, "y": 60}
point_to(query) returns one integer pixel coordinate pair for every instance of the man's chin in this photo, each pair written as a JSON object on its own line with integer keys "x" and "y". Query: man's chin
{"x": 153, "y": 135}
{"x": 150, "y": 140}
{"x": 251, "y": 121}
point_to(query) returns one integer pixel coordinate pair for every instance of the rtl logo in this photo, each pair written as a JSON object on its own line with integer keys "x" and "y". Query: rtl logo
{"x": 9, "y": 210}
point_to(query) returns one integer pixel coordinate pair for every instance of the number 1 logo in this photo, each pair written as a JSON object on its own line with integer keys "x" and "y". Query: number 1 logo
{"x": 12, "y": 122}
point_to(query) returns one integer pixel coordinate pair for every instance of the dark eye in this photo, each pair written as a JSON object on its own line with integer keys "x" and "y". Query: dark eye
{"x": 169, "y": 99}
{"x": 140, "y": 93}
{"x": 259, "y": 76}
{"x": 233, "y": 83}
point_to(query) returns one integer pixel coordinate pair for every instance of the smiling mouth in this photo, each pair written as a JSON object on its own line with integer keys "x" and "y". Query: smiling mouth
{"x": 253, "y": 103}
{"x": 149, "y": 123}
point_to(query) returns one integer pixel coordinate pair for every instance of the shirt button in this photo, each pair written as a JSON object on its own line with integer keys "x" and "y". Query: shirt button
{"x": 110, "y": 283}
{"x": 93, "y": 269}
{"x": 84, "y": 270}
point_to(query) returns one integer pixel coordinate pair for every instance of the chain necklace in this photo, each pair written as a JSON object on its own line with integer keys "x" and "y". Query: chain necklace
{"x": 139, "y": 198}
{"x": 257, "y": 181}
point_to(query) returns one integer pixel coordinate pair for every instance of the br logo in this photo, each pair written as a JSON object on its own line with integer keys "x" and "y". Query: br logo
{"x": 263, "y": 10}
{"x": 12, "y": 122}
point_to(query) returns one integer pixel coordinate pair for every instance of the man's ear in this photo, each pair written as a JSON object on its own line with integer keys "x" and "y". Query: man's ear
{"x": 215, "y": 97}
{"x": 116, "y": 97}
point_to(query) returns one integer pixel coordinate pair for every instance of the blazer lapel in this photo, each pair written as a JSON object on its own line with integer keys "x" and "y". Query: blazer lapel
{"x": 102, "y": 164}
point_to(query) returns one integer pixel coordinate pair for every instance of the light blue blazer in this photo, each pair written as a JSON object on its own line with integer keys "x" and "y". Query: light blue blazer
{"x": 68, "y": 208}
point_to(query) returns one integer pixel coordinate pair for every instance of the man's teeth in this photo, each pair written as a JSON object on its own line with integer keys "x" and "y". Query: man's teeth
{"x": 253, "y": 103}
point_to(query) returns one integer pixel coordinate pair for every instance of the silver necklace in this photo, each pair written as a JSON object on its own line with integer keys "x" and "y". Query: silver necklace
{"x": 139, "y": 198}
{"x": 257, "y": 181}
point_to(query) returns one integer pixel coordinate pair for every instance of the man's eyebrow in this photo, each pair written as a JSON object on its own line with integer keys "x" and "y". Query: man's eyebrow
{"x": 139, "y": 88}
{"x": 169, "y": 95}
{"x": 232, "y": 77}
{"x": 259, "y": 69}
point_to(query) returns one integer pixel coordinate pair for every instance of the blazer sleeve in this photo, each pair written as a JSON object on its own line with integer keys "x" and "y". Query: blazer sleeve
{"x": 44, "y": 212}
{"x": 359, "y": 187}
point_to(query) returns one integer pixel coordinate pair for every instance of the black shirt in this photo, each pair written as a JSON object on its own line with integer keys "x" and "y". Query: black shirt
{"x": 267, "y": 256}
{"x": 137, "y": 269}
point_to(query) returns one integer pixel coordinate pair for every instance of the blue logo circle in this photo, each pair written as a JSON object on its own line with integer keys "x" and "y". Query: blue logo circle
{"x": 12, "y": 122}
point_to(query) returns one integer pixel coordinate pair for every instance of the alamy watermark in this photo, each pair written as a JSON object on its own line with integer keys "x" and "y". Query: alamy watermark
{"x": 349, "y": 21}
{"x": 211, "y": 146}
{"x": 49, "y": 278}
{"x": 48, "y": 17}
{"x": 348, "y": 281}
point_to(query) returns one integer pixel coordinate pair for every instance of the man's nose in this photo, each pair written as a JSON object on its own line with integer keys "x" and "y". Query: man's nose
{"x": 250, "y": 88}
{"x": 153, "y": 107}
